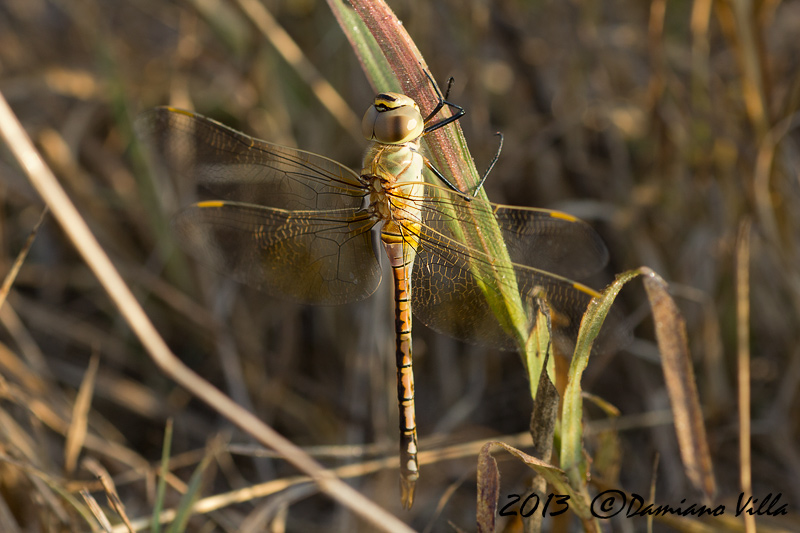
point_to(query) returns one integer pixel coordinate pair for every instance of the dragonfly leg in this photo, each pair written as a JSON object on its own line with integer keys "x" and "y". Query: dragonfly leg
{"x": 442, "y": 101}
{"x": 460, "y": 111}
{"x": 491, "y": 165}
{"x": 439, "y": 175}
{"x": 450, "y": 82}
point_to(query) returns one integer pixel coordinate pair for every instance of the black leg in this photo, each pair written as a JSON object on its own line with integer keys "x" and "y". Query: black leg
{"x": 459, "y": 112}
{"x": 491, "y": 165}
{"x": 439, "y": 175}
{"x": 457, "y": 109}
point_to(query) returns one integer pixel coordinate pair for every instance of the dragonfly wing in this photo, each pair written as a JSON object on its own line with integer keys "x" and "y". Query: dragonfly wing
{"x": 453, "y": 267}
{"x": 222, "y": 163}
{"x": 551, "y": 240}
{"x": 316, "y": 257}
{"x": 543, "y": 239}
{"x": 447, "y": 287}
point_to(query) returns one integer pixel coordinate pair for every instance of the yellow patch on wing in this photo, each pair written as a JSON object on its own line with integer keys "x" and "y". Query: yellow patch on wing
{"x": 563, "y": 216}
{"x": 179, "y": 111}
{"x": 211, "y": 203}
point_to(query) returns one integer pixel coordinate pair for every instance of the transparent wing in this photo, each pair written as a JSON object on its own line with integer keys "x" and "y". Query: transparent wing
{"x": 316, "y": 257}
{"x": 222, "y": 163}
{"x": 452, "y": 265}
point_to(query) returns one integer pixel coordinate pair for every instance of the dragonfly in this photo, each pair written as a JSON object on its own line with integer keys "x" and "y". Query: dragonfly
{"x": 300, "y": 226}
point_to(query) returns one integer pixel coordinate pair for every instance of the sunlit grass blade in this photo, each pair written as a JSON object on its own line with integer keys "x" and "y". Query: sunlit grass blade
{"x": 539, "y": 345}
{"x": 572, "y": 459}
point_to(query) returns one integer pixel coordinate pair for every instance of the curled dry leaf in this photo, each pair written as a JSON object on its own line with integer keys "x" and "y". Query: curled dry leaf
{"x": 679, "y": 377}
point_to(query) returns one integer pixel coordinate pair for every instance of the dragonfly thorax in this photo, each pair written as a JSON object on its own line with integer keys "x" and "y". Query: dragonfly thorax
{"x": 393, "y": 176}
{"x": 392, "y": 119}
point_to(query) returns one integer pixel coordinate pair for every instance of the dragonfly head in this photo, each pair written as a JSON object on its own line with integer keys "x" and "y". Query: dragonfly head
{"x": 392, "y": 119}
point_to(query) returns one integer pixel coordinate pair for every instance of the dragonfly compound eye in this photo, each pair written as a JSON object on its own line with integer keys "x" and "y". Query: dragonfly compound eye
{"x": 392, "y": 119}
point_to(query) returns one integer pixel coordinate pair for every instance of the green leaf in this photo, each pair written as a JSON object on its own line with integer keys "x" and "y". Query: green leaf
{"x": 367, "y": 50}
{"x": 161, "y": 490}
{"x": 572, "y": 459}
{"x": 184, "y": 511}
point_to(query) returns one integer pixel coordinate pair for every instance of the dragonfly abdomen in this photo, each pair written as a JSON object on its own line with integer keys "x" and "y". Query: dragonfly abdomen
{"x": 409, "y": 465}
{"x": 393, "y": 174}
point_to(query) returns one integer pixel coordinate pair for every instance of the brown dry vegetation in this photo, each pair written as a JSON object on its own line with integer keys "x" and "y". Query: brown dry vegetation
{"x": 667, "y": 125}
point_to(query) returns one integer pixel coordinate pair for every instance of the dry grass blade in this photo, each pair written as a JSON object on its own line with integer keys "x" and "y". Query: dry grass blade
{"x": 653, "y": 480}
{"x": 679, "y": 376}
{"x": 743, "y": 364}
{"x": 543, "y": 425}
{"x": 8, "y": 523}
{"x": 768, "y": 212}
{"x": 742, "y": 21}
{"x": 557, "y": 479}
{"x": 75, "y": 227}
{"x": 97, "y": 511}
{"x": 49, "y": 490}
{"x": 111, "y": 491}
{"x": 273, "y": 513}
{"x": 80, "y": 416}
{"x": 8, "y": 281}
{"x": 488, "y": 490}
{"x": 35, "y": 368}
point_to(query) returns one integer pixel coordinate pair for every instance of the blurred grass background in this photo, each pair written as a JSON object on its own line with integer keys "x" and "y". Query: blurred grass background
{"x": 664, "y": 124}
